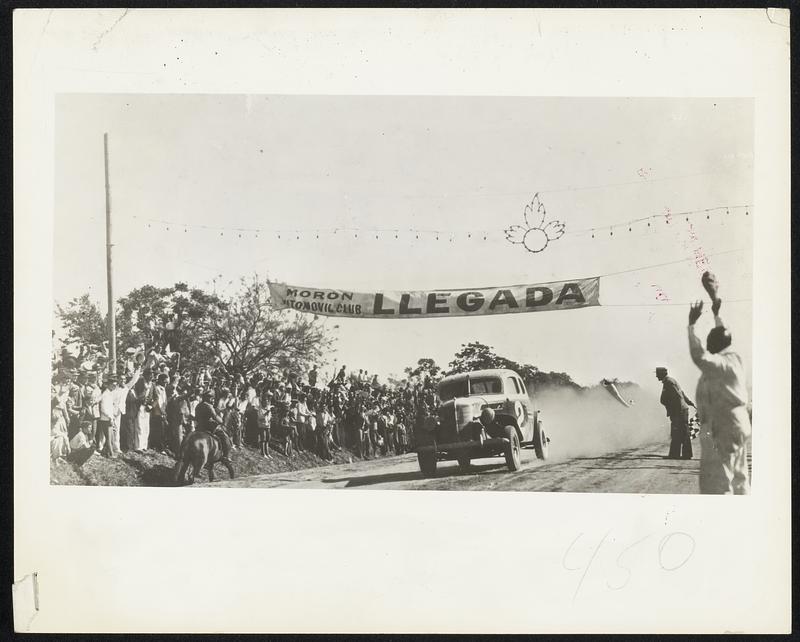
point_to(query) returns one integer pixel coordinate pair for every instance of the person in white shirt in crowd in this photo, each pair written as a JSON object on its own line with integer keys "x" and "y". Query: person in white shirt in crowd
{"x": 144, "y": 389}
{"x": 112, "y": 405}
{"x": 302, "y": 422}
{"x": 128, "y": 358}
{"x": 81, "y": 445}
{"x": 59, "y": 441}
{"x": 81, "y": 439}
{"x": 391, "y": 431}
{"x": 223, "y": 402}
{"x": 325, "y": 425}
{"x": 722, "y": 401}
{"x": 252, "y": 394}
{"x": 65, "y": 400}
{"x": 204, "y": 377}
{"x": 236, "y": 423}
{"x": 402, "y": 439}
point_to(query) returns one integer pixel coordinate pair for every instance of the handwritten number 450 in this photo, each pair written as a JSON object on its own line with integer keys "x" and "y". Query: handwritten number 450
{"x": 674, "y": 550}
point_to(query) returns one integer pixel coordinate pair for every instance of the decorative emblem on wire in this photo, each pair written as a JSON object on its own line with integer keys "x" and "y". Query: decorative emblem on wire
{"x": 535, "y": 234}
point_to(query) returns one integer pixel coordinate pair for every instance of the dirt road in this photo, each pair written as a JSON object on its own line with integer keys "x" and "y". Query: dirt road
{"x": 637, "y": 470}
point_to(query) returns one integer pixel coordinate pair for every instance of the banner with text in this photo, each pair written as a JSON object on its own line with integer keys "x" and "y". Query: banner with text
{"x": 557, "y": 295}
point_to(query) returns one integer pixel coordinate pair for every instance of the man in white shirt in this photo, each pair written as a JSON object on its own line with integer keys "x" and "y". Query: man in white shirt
{"x": 112, "y": 405}
{"x": 302, "y": 422}
{"x": 721, "y": 400}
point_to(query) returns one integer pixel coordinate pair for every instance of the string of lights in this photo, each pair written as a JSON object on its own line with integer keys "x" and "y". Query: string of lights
{"x": 645, "y": 222}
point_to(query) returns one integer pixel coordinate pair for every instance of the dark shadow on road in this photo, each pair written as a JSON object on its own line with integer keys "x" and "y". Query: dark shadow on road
{"x": 441, "y": 473}
{"x": 368, "y": 480}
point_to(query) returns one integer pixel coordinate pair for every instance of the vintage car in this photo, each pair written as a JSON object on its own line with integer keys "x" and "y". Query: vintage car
{"x": 455, "y": 433}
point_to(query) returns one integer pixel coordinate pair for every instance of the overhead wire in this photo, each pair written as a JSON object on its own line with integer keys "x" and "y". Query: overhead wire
{"x": 396, "y": 231}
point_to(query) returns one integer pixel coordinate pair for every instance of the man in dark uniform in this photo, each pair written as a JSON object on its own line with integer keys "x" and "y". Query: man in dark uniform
{"x": 674, "y": 399}
{"x": 209, "y": 421}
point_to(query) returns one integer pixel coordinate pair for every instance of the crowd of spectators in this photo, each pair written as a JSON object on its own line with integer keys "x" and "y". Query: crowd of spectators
{"x": 151, "y": 406}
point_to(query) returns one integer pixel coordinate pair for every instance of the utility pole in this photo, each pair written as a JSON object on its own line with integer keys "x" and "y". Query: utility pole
{"x": 112, "y": 322}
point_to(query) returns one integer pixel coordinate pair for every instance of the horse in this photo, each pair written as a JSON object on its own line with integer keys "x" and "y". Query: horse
{"x": 200, "y": 450}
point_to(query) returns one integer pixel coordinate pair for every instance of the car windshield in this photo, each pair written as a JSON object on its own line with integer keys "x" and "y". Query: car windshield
{"x": 478, "y": 386}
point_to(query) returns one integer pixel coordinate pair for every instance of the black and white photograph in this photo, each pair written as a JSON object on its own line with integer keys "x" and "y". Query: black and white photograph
{"x": 391, "y": 292}
{"x": 401, "y": 321}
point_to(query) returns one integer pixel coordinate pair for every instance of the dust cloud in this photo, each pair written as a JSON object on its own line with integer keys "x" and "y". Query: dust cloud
{"x": 591, "y": 422}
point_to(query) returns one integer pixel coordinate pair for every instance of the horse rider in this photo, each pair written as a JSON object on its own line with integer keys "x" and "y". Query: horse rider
{"x": 209, "y": 421}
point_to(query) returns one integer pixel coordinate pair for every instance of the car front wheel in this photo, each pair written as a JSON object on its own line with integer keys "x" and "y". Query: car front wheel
{"x": 540, "y": 441}
{"x": 513, "y": 460}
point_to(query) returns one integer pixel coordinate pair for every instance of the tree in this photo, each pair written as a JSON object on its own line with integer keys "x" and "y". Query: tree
{"x": 251, "y": 335}
{"x": 394, "y": 381}
{"x": 425, "y": 367}
{"x": 541, "y": 379}
{"x": 243, "y": 331}
{"x": 83, "y": 322}
{"x": 176, "y": 316}
{"x": 478, "y": 356}
{"x": 148, "y": 317}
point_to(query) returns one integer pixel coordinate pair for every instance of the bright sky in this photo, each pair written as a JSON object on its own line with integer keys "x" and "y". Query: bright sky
{"x": 454, "y": 164}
